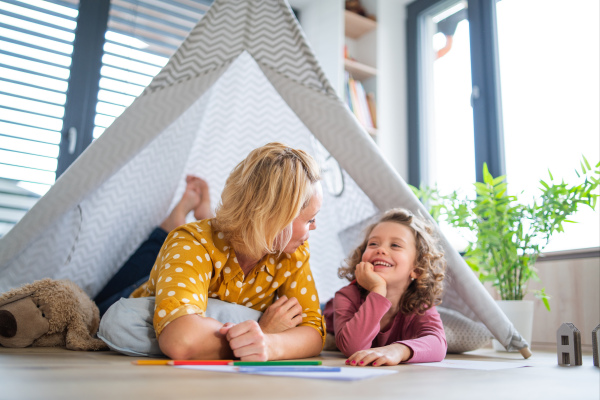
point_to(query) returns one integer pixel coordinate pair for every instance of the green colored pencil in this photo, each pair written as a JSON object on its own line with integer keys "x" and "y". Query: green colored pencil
{"x": 247, "y": 363}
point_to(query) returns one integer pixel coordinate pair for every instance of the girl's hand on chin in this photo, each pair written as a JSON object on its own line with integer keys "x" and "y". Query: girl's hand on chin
{"x": 369, "y": 279}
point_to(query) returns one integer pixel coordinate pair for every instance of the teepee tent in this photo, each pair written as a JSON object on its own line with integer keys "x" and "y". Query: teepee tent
{"x": 244, "y": 77}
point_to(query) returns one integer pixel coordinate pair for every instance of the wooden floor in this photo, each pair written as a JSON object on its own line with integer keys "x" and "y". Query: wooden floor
{"x": 48, "y": 373}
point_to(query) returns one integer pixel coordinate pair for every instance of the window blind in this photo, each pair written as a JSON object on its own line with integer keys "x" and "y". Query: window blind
{"x": 36, "y": 43}
{"x": 141, "y": 37}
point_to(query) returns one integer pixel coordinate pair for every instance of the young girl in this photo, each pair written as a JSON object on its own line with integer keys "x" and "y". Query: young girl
{"x": 387, "y": 314}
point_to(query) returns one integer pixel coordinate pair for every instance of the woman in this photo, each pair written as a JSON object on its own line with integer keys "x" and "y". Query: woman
{"x": 251, "y": 253}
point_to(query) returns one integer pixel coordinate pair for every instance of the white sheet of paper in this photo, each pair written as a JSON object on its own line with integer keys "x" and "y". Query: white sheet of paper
{"x": 480, "y": 365}
{"x": 346, "y": 374}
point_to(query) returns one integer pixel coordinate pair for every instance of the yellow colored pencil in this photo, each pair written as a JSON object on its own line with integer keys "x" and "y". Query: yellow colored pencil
{"x": 151, "y": 362}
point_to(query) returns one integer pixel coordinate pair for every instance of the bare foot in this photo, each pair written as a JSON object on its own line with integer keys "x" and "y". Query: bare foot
{"x": 195, "y": 197}
{"x": 203, "y": 210}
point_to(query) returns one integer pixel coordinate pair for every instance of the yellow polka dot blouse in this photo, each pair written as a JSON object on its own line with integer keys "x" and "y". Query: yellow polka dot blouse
{"x": 196, "y": 263}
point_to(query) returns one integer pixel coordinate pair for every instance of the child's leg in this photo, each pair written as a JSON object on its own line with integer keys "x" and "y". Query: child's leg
{"x": 195, "y": 197}
{"x": 137, "y": 267}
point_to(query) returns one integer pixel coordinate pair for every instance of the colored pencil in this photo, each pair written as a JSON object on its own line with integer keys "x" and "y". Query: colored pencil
{"x": 199, "y": 362}
{"x": 290, "y": 368}
{"x": 273, "y": 363}
{"x": 150, "y": 362}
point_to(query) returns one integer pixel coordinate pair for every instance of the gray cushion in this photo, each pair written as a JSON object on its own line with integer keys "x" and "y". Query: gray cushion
{"x": 127, "y": 327}
{"x": 462, "y": 333}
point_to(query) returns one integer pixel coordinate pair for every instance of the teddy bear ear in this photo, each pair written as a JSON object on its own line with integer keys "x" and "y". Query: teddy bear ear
{"x": 7, "y": 298}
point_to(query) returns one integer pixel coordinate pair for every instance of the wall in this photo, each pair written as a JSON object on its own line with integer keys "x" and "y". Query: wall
{"x": 323, "y": 25}
{"x": 392, "y": 135}
{"x": 574, "y": 289}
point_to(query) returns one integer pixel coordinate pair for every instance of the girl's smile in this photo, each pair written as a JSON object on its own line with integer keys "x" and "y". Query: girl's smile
{"x": 391, "y": 249}
{"x": 381, "y": 263}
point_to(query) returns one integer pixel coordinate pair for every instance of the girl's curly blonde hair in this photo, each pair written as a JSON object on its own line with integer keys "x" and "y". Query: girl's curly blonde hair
{"x": 430, "y": 265}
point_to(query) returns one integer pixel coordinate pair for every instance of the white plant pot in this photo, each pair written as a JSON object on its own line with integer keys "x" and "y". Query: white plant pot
{"x": 520, "y": 313}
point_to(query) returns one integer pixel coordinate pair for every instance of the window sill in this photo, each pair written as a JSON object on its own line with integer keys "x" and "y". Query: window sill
{"x": 590, "y": 252}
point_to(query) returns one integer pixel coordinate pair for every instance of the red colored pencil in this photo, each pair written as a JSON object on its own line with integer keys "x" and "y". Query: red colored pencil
{"x": 199, "y": 362}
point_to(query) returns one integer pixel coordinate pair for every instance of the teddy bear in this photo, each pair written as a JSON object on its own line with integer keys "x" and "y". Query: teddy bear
{"x": 49, "y": 313}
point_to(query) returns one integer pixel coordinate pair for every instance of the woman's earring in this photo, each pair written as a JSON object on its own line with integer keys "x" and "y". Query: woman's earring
{"x": 412, "y": 279}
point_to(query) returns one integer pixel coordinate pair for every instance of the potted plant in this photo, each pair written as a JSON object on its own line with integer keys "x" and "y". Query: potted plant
{"x": 509, "y": 234}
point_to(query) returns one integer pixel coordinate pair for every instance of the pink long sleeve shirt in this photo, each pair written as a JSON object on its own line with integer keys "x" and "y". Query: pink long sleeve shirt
{"x": 356, "y": 323}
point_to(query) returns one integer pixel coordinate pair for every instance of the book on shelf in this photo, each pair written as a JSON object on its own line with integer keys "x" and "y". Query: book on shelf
{"x": 361, "y": 104}
{"x": 372, "y": 108}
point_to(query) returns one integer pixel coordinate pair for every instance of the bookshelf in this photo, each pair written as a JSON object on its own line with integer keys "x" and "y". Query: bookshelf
{"x": 358, "y": 70}
{"x": 357, "y": 25}
{"x": 360, "y": 63}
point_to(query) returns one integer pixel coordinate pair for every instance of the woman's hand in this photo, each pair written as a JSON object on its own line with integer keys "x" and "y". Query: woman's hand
{"x": 369, "y": 279}
{"x": 392, "y": 354}
{"x": 282, "y": 315}
{"x": 247, "y": 340}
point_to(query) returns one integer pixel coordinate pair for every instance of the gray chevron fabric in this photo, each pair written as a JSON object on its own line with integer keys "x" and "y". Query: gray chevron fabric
{"x": 265, "y": 29}
{"x": 244, "y": 77}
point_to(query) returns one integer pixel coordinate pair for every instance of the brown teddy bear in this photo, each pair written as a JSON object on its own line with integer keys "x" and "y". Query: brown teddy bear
{"x": 49, "y": 313}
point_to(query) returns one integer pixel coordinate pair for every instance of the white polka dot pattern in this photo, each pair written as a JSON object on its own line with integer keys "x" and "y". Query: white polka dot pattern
{"x": 182, "y": 281}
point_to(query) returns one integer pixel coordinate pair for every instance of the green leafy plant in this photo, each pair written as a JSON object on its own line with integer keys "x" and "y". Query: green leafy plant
{"x": 509, "y": 235}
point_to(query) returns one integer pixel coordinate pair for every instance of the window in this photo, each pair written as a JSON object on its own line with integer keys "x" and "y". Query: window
{"x": 36, "y": 44}
{"x": 141, "y": 37}
{"x": 59, "y": 82}
{"x": 446, "y": 85}
{"x": 35, "y": 57}
{"x": 550, "y": 99}
{"x": 529, "y": 69}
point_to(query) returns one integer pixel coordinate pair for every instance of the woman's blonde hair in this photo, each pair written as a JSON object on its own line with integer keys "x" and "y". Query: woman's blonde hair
{"x": 263, "y": 195}
{"x": 430, "y": 265}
